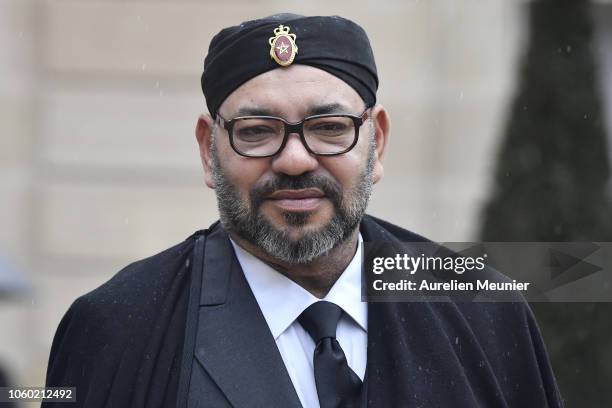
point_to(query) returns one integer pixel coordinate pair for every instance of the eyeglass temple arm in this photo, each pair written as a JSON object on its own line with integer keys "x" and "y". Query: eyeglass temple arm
{"x": 224, "y": 123}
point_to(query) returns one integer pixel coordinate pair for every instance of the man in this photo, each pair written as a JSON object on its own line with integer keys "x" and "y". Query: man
{"x": 263, "y": 309}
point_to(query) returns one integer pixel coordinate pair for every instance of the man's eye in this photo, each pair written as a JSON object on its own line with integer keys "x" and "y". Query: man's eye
{"x": 254, "y": 132}
{"x": 328, "y": 128}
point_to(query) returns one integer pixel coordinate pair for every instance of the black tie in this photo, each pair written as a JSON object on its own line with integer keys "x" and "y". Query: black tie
{"x": 337, "y": 385}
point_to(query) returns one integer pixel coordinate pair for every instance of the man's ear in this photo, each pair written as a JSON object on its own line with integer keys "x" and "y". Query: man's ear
{"x": 204, "y": 134}
{"x": 380, "y": 120}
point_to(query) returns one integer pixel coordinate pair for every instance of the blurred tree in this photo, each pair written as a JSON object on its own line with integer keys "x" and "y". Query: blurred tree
{"x": 551, "y": 184}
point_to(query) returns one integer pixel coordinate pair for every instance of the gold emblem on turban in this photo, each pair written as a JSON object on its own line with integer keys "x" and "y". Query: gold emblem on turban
{"x": 282, "y": 46}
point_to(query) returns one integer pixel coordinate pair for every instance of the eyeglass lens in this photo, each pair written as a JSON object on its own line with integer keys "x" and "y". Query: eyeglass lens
{"x": 264, "y": 136}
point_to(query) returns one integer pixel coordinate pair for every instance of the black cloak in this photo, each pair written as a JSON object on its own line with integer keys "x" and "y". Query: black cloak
{"x": 129, "y": 342}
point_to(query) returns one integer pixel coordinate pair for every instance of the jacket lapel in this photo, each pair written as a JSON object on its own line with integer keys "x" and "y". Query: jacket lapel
{"x": 235, "y": 345}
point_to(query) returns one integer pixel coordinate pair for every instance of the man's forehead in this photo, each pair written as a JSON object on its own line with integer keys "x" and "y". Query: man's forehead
{"x": 300, "y": 89}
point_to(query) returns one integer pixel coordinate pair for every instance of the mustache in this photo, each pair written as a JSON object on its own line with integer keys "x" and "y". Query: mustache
{"x": 328, "y": 186}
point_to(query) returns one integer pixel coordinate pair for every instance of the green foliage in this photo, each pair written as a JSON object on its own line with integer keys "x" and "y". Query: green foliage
{"x": 551, "y": 184}
{"x": 553, "y": 170}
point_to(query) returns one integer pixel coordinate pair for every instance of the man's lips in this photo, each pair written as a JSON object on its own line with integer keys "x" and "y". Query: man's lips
{"x": 297, "y": 200}
{"x": 296, "y": 194}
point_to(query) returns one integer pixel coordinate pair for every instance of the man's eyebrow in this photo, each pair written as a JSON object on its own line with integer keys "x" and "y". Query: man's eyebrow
{"x": 327, "y": 108}
{"x": 253, "y": 111}
{"x": 313, "y": 110}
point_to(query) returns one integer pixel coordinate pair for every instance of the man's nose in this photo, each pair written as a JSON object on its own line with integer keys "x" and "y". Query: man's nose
{"x": 294, "y": 159}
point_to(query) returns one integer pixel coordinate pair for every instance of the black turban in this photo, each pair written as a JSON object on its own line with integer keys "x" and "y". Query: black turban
{"x": 333, "y": 44}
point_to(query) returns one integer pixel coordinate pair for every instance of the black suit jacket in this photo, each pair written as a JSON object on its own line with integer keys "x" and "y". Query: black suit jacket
{"x": 183, "y": 326}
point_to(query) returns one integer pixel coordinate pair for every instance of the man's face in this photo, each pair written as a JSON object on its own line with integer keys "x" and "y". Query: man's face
{"x": 295, "y": 206}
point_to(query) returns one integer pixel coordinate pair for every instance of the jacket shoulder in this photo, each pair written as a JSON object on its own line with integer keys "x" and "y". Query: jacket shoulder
{"x": 146, "y": 277}
{"x": 376, "y": 228}
{"x": 135, "y": 294}
{"x": 115, "y": 322}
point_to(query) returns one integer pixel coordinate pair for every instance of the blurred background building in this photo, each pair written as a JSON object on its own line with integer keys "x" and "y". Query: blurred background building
{"x": 98, "y": 160}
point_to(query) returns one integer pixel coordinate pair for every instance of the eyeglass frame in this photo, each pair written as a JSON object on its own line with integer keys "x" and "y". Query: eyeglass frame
{"x": 295, "y": 127}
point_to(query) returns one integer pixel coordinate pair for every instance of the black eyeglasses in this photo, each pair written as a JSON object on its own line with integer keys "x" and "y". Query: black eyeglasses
{"x": 265, "y": 136}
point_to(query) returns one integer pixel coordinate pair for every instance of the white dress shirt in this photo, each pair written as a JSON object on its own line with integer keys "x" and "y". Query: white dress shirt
{"x": 282, "y": 301}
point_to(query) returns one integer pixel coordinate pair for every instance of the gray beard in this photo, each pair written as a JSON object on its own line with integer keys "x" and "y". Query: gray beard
{"x": 246, "y": 220}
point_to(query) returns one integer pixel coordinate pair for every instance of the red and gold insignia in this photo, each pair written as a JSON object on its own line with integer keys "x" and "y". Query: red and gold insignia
{"x": 282, "y": 46}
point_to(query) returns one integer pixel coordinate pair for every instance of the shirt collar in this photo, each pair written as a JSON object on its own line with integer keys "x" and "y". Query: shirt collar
{"x": 281, "y": 300}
